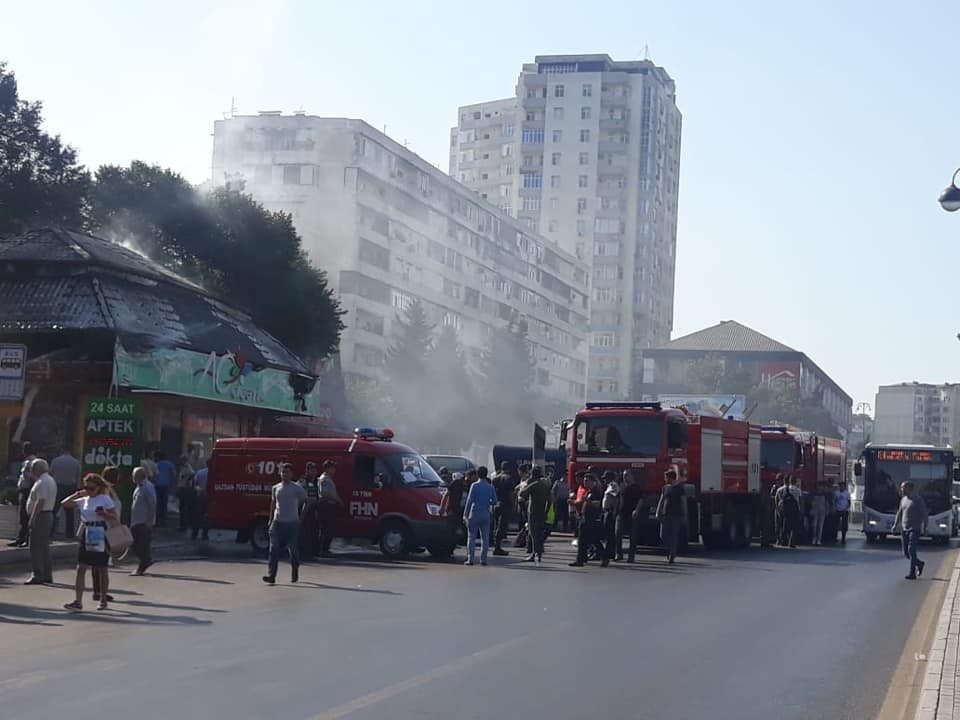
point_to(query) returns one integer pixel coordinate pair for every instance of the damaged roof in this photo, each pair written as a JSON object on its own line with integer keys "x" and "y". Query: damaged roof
{"x": 55, "y": 279}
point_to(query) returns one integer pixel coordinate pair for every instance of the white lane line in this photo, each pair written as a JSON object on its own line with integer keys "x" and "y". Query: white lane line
{"x": 378, "y": 696}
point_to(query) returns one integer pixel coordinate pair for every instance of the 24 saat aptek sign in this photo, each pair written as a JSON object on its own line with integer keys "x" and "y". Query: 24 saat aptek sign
{"x": 111, "y": 435}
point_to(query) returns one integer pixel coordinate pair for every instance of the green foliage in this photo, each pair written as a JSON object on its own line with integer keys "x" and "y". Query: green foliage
{"x": 369, "y": 404}
{"x": 776, "y": 404}
{"x": 225, "y": 241}
{"x": 40, "y": 179}
{"x": 406, "y": 365}
{"x": 507, "y": 371}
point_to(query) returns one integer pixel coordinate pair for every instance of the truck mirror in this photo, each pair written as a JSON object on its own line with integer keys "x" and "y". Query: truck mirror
{"x": 858, "y": 469}
{"x": 956, "y": 474}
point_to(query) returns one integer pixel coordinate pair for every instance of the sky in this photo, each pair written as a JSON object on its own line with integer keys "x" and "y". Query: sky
{"x": 816, "y": 136}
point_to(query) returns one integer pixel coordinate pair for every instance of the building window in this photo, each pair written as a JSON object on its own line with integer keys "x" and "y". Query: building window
{"x": 507, "y": 130}
{"x": 584, "y": 158}
{"x": 554, "y": 181}
{"x": 505, "y": 191}
{"x": 506, "y": 151}
{"x": 587, "y": 90}
{"x": 532, "y": 135}
{"x": 476, "y": 115}
{"x": 606, "y": 339}
{"x": 583, "y": 181}
{"x": 581, "y": 228}
{"x": 554, "y": 203}
{"x": 558, "y": 113}
{"x": 552, "y": 226}
{"x": 581, "y": 205}
{"x": 555, "y": 159}
{"x": 532, "y": 180}
{"x": 558, "y": 135}
{"x": 531, "y": 203}
{"x": 585, "y": 135}
{"x": 585, "y": 112}
{"x": 531, "y": 116}
{"x": 558, "y": 91}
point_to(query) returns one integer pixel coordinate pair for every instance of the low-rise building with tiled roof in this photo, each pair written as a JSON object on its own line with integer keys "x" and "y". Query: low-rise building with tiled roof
{"x": 764, "y": 359}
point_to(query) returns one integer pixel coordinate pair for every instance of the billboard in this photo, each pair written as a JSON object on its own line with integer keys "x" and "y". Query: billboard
{"x": 710, "y": 405}
{"x": 784, "y": 374}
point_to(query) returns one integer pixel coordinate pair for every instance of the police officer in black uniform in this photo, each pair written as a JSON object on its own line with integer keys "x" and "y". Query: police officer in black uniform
{"x": 591, "y": 528}
{"x": 310, "y": 518}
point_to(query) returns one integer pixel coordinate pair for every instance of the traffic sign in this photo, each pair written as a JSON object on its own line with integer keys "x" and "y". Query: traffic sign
{"x": 13, "y": 370}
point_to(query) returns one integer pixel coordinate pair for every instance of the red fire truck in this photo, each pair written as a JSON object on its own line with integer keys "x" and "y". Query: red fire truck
{"x": 718, "y": 458}
{"x": 814, "y": 460}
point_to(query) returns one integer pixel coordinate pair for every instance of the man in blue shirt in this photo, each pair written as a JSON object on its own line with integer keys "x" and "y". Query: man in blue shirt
{"x": 476, "y": 515}
{"x": 166, "y": 479}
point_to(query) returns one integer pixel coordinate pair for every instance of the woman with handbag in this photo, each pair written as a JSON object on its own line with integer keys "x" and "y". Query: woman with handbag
{"x": 98, "y": 511}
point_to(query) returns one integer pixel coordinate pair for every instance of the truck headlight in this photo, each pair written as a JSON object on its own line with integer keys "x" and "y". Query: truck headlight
{"x": 943, "y": 526}
{"x": 871, "y": 521}
{"x": 433, "y": 509}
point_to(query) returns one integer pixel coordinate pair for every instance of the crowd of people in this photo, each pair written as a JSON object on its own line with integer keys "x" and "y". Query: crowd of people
{"x": 815, "y": 515}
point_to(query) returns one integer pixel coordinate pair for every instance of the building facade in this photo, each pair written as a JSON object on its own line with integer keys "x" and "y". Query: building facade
{"x": 588, "y": 154}
{"x": 759, "y": 359}
{"x": 917, "y": 413}
{"x": 389, "y": 228}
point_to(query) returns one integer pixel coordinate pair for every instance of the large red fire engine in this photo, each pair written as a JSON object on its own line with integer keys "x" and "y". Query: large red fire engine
{"x": 718, "y": 459}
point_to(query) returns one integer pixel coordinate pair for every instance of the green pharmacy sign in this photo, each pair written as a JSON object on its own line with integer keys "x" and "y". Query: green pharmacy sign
{"x": 111, "y": 434}
{"x": 221, "y": 377}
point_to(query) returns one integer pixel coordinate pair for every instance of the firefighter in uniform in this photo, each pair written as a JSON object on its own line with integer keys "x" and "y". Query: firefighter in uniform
{"x": 591, "y": 528}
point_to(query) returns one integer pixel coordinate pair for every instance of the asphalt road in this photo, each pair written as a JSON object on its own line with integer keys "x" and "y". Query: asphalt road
{"x": 810, "y": 633}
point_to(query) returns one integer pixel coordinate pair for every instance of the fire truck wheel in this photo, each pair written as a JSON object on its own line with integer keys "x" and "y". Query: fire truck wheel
{"x": 871, "y": 538}
{"x": 396, "y": 541}
{"x": 260, "y": 537}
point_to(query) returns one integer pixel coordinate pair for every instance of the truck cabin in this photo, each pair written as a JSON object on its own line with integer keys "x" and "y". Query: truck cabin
{"x": 630, "y": 431}
{"x": 780, "y": 452}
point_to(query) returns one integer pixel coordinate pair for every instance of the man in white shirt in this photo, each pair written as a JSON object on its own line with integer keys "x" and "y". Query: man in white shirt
{"x": 841, "y": 501}
{"x": 40, "y": 504}
{"x": 66, "y": 471}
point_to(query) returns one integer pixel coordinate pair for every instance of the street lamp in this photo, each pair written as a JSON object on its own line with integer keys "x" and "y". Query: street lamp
{"x": 950, "y": 197}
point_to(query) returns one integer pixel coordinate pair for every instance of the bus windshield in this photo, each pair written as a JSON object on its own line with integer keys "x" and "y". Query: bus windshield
{"x": 882, "y": 487}
{"x": 620, "y": 435}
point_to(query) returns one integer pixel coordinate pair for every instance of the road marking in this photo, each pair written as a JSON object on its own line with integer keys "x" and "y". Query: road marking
{"x": 378, "y": 696}
{"x": 904, "y": 689}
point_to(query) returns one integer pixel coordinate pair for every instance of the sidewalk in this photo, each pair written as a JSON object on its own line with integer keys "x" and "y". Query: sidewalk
{"x": 939, "y": 699}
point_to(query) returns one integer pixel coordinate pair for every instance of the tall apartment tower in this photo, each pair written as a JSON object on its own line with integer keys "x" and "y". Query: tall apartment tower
{"x": 588, "y": 155}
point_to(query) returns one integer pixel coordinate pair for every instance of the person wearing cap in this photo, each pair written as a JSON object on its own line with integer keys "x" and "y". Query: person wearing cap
{"x": 310, "y": 519}
{"x": 451, "y": 506}
{"x": 610, "y": 507}
{"x": 503, "y": 484}
{"x": 534, "y": 494}
{"x": 631, "y": 493}
{"x": 328, "y": 503}
{"x": 590, "y": 532}
{"x": 672, "y": 512}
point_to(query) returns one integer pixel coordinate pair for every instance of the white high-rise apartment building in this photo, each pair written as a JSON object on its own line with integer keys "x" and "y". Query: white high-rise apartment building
{"x": 917, "y": 413}
{"x": 389, "y": 227}
{"x": 588, "y": 155}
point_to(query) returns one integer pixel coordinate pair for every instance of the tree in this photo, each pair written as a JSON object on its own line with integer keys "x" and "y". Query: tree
{"x": 406, "y": 371}
{"x": 454, "y": 423}
{"x": 508, "y": 373}
{"x": 40, "y": 179}
{"x": 369, "y": 404}
{"x": 774, "y": 403}
{"x": 251, "y": 257}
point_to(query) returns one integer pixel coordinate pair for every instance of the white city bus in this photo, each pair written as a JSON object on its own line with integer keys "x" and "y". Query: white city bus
{"x": 884, "y": 467}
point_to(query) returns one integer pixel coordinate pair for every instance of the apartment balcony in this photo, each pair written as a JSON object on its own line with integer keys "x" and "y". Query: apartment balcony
{"x": 614, "y": 123}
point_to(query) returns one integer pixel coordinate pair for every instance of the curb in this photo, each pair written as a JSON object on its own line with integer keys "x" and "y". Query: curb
{"x": 12, "y": 557}
{"x": 938, "y": 697}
